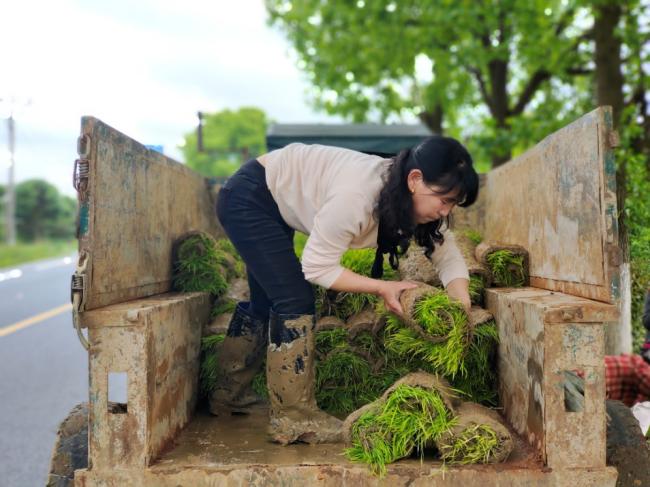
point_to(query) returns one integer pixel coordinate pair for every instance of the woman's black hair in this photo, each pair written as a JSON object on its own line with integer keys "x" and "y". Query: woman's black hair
{"x": 444, "y": 162}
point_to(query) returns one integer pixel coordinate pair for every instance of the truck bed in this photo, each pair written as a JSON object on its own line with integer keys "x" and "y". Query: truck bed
{"x": 236, "y": 451}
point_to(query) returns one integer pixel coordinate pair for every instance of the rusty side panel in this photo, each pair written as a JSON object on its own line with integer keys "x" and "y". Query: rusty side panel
{"x": 337, "y": 475}
{"x": 137, "y": 202}
{"x": 521, "y": 362}
{"x": 557, "y": 200}
{"x": 575, "y": 439}
{"x": 157, "y": 345}
{"x": 544, "y": 335}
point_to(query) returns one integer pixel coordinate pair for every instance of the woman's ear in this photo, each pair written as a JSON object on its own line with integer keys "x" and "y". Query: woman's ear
{"x": 412, "y": 179}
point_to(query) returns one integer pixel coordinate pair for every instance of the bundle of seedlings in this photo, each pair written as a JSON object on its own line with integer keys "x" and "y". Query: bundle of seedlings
{"x": 346, "y": 304}
{"x": 201, "y": 263}
{"x": 351, "y": 369}
{"x": 440, "y": 338}
{"x": 408, "y": 418}
{"x": 435, "y": 330}
{"x": 508, "y": 264}
{"x": 478, "y": 382}
{"x": 478, "y": 436}
{"x": 209, "y": 370}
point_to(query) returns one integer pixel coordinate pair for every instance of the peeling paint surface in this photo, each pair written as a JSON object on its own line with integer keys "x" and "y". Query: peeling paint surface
{"x": 557, "y": 201}
{"x": 532, "y": 370}
{"x": 156, "y": 341}
{"x": 138, "y": 203}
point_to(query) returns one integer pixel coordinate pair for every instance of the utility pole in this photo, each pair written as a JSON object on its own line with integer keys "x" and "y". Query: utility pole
{"x": 199, "y": 133}
{"x": 10, "y": 198}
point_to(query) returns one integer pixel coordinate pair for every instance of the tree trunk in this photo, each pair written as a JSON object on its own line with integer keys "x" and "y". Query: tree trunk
{"x": 498, "y": 70}
{"x": 609, "y": 91}
{"x": 433, "y": 119}
{"x": 609, "y": 78}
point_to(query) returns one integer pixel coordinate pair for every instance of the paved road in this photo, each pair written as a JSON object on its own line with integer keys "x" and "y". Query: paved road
{"x": 43, "y": 367}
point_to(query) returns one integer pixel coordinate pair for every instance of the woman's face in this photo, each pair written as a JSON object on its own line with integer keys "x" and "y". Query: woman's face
{"x": 429, "y": 204}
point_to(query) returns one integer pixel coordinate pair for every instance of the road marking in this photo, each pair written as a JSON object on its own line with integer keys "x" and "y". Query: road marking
{"x": 8, "y": 330}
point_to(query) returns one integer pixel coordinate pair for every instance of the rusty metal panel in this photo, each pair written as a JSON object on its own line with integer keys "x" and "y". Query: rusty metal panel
{"x": 521, "y": 361}
{"x": 539, "y": 344}
{"x": 348, "y": 475}
{"x": 558, "y": 200}
{"x": 575, "y": 438}
{"x": 156, "y": 342}
{"x": 133, "y": 204}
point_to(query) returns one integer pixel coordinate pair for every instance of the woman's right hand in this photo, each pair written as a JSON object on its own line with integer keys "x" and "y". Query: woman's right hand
{"x": 390, "y": 291}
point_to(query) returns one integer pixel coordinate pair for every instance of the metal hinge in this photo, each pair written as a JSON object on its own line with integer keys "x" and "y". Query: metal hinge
{"x": 82, "y": 166}
{"x": 77, "y": 289}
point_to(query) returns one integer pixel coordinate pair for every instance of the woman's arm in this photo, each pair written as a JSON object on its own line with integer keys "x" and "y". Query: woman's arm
{"x": 388, "y": 290}
{"x": 459, "y": 289}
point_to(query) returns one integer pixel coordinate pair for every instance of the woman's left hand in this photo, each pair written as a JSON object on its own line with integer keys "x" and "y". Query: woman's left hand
{"x": 458, "y": 289}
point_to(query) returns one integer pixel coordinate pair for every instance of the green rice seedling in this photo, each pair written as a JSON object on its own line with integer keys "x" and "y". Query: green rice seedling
{"x": 476, "y": 288}
{"x": 259, "y": 384}
{"x": 368, "y": 344}
{"x": 443, "y": 342}
{"x": 209, "y": 371}
{"x": 474, "y": 236}
{"x": 507, "y": 268}
{"x": 361, "y": 261}
{"x": 342, "y": 381}
{"x": 226, "y": 246}
{"x": 409, "y": 420}
{"x": 437, "y": 313}
{"x": 328, "y": 340}
{"x": 348, "y": 304}
{"x": 479, "y": 383}
{"x": 345, "y": 304}
{"x": 299, "y": 242}
{"x": 223, "y": 305}
{"x": 370, "y": 444}
{"x": 200, "y": 266}
{"x": 475, "y": 444}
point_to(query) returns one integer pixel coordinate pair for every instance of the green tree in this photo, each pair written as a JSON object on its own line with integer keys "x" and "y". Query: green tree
{"x": 500, "y": 74}
{"x": 41, "y": 212}
{"x": 230, "y": 137}
{"x": 494, "y": 63}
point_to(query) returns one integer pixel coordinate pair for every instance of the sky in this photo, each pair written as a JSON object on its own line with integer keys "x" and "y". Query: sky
{"x": 144, "y": 67}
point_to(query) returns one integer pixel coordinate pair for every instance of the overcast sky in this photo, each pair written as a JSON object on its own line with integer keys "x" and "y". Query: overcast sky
{"x": 143, "y": 66}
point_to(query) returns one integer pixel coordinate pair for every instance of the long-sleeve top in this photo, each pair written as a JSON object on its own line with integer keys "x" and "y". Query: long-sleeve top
{"x": 330, "y": 194}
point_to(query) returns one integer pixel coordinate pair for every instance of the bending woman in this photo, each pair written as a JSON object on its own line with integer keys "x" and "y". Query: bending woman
{"x": 342, "y": 199}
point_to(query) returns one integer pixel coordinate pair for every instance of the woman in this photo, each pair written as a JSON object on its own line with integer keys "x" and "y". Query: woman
{"x": 343, "y": 199}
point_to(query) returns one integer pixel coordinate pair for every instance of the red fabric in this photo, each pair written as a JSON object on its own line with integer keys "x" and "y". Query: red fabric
{"x": 627, "y": 378}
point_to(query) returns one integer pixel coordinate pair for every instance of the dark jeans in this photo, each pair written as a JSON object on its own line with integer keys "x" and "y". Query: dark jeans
{"x": 252, "y": 220}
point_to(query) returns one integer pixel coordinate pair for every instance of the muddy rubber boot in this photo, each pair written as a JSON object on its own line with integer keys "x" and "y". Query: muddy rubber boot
{"x": 239, "y": 359}
{"x": 290, "y": 376}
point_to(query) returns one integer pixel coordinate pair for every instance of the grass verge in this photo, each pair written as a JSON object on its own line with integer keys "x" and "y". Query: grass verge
{"x": 22, "y": 252}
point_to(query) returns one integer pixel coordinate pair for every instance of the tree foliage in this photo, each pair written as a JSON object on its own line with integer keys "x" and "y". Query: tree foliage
{"x": 42, "y": 212}
{"x": 500, "y": 74}
{"x": 230, "y": 137}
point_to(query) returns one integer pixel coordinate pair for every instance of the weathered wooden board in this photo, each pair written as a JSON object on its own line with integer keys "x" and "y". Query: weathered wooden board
{"x": 133, "y": 204}
{"x": 558, "y": 200}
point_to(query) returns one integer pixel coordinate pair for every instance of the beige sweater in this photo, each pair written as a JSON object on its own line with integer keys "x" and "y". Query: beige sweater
{"x": 329, "y": 193}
